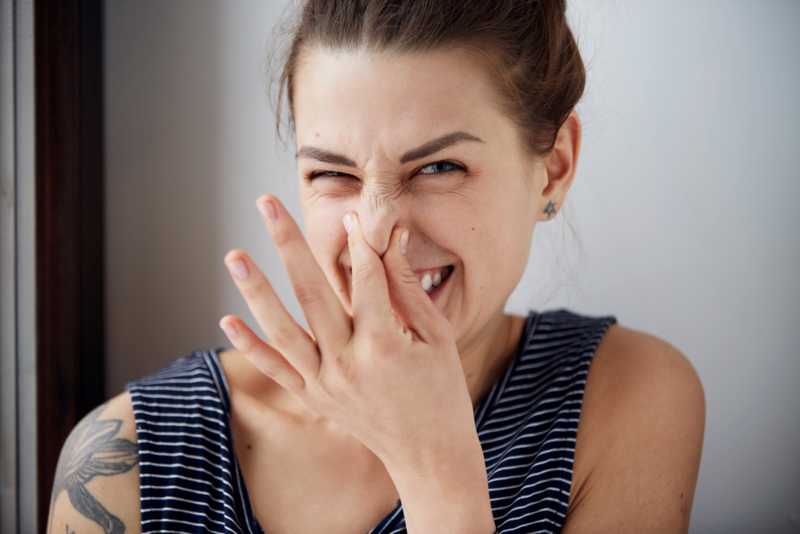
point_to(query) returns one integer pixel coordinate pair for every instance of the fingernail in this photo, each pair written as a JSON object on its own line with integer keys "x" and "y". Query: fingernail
{"x": 239, "y": 269}
{"x": 348, "y": 223}
{"x": 229, "y": 330}
{"x": 403, "y": 242}
{"x": 268, "y": 212}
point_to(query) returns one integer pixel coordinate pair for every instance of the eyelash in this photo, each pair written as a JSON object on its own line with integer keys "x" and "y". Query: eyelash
{"x": 335, "y": 174}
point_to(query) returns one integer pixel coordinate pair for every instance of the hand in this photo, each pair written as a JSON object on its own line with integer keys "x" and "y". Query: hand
{"x": 390, "y": 375}
{"x": 394, "y": 382}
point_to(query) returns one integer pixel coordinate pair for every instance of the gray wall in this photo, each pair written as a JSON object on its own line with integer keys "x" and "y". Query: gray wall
{"x": 685, "y": 203}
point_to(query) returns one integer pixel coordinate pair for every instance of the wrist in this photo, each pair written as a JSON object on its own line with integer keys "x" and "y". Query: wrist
{"x": 456, "y": 510}
{"x": 446, "y": 492}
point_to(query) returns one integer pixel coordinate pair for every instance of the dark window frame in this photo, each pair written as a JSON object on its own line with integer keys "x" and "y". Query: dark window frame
{"x": 70, "y": 325}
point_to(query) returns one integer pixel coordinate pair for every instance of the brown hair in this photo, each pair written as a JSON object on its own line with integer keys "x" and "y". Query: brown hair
{"x": 526, "y": 45}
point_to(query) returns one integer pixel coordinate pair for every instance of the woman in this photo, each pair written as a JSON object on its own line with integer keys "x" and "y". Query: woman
{"x": 431, "y": 139}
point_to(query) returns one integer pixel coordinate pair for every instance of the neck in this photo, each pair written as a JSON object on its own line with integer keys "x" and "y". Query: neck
{"x": 488, "y": 354}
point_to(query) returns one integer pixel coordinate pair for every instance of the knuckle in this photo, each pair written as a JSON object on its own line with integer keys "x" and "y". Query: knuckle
{"x": 338, "y": 377}
{"x": 362, "y": 271}
{"x": 297, "y": 388}
{"x": 270, "y": 367}
{"x": 372, "y": 343}
{"x": 283, "y": 336}
{"x": 308, "y": 293}
{"x": 282, "y": 236}
{"x": 356, "y": 244}
{"x": 407, "y": 276}
{"x": 311, "y": 401}
{"x": 255, "y": 290}
{"x": 343, "y": 368}
{"x": 246, "y": 344}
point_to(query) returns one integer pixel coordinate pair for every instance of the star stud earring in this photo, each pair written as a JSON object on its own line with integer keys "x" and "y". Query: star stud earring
{"x": 550, "y": 210}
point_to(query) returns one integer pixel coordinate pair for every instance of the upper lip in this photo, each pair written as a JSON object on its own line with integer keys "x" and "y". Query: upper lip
{"x": 419, "y": 273}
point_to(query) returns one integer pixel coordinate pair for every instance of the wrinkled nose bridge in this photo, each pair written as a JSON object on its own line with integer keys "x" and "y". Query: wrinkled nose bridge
{"x": 378, "y": 215}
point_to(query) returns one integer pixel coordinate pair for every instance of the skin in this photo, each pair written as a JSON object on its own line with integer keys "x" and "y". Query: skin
{"x": 404, "y": 169}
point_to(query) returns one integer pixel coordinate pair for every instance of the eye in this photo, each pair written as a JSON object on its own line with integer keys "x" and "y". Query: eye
{"x": 439, "y": 167}
{"x": 332, "y": 182}
{"x": 329, "y": 174}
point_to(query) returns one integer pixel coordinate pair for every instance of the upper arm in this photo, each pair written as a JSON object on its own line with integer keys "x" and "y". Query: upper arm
{"x": 96, "y": 487}
{"x": 640, "y": 436}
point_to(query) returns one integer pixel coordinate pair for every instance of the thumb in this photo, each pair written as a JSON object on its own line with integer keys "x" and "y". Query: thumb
{"x": 409, "y": 300}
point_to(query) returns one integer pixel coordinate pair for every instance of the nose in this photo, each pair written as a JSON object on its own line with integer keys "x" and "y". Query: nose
{"x": 378, "y": 214}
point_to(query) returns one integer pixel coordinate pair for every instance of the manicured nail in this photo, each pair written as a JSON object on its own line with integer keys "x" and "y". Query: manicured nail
{"x": 403, "y": 242}
{"x": 268, "y": 212}
{"x": 229, "y": 330}
{"x": 239, "y": 269}
{"x": 348, "y": 223}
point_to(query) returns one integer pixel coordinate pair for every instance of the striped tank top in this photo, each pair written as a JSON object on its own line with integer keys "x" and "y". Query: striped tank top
{"x": 190, "y": 480}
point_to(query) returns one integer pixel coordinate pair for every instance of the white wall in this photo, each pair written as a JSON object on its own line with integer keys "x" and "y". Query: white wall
{"x": 686, "y": 204}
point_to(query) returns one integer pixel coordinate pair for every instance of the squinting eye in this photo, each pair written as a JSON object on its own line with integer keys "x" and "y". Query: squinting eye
{"x": 332, "y": 174}
{"x": 439, "y": 166}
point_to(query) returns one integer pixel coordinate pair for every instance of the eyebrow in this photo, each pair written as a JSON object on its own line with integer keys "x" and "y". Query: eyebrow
{"x": 431, "y": 147}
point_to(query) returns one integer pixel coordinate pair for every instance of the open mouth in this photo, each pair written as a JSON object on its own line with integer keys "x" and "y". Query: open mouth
{"x": 430, "y": 279}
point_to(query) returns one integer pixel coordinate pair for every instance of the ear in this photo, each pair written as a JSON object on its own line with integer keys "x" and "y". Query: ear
{"x": 560, "y": 166}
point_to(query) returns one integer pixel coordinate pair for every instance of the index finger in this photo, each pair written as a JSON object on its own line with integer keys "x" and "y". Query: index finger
{"x": 321, "y": 307}
{"x": 370, "y": 289}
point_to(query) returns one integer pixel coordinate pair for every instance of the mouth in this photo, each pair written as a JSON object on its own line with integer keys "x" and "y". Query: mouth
{"x": 432, "y": 279}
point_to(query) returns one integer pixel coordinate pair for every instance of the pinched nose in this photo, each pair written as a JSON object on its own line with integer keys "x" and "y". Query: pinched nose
{"x": 377, "y": 223}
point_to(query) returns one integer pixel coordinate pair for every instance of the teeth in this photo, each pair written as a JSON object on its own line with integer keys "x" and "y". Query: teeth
{"x": 426, "y": 283}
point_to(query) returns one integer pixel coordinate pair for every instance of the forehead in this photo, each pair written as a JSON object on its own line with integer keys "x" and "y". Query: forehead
{"x": 383, "y": 97}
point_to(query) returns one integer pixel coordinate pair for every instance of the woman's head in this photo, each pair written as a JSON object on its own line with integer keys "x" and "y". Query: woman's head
{"x": 440, "y": 117}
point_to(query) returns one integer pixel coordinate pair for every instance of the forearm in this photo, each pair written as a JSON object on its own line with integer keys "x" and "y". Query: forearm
{"x": 447, "y": 493}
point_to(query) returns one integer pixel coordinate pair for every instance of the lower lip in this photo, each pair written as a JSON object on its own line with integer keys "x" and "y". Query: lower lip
{"x": 437, "y": 291}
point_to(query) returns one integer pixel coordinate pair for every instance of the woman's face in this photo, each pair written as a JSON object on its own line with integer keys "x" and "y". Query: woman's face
{"x": 417, "y": 141}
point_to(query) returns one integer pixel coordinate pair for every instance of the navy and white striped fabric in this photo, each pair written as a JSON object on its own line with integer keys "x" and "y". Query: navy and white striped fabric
{"x": 527, "y": 424}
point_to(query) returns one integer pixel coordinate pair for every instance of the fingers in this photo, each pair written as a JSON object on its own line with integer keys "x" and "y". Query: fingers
{"x": 323, "y": 311}
{"x": 370, "y": 290}
{"x": 408, "y": 298}
{"x": 268, "y": 360}
{"x": 277, "y": 324}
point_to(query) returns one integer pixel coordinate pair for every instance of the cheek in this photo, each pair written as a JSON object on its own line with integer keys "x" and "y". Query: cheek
{"x": 513, "y": 243}
{"x": 499, "y": 245}
{"x": 325, "y": 233}
{"x": 500, "y": 255}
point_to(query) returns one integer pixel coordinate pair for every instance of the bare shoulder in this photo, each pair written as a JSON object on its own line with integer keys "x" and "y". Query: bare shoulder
{"x": 640, "y": 438}
{"x": 246, "y": 381}
{"x": 96, "y": 487}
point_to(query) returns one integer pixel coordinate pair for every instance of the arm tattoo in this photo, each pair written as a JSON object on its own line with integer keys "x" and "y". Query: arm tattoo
{"x": 91, "y": 450}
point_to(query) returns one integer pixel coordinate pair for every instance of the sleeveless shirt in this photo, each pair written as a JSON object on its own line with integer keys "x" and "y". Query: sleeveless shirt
{"x": 190, "y": 480}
